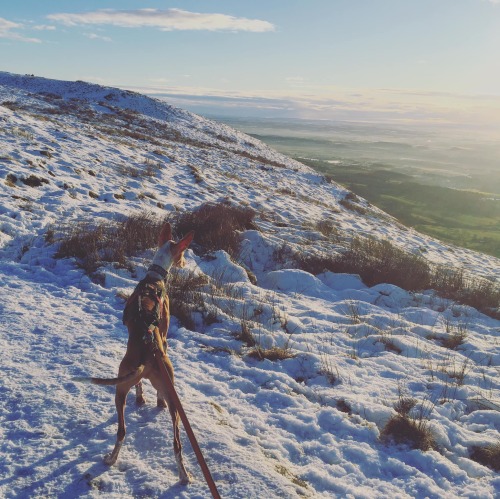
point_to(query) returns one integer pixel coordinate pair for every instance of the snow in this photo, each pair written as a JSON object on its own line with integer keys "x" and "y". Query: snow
{"x": 267, "y": 428}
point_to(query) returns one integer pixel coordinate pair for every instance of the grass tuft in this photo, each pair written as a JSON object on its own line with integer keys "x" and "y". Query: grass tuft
{"x": 272, "y": 354}
{"x": 95, "y": 244}
{"x": 404, "y": 430}
{"x": 216, "y": 225}
{"x": 245, "y": 335}
{"x": 184, "y": 289}
{"x": 487, "y": 455}
{"x": 410, "y": 425}
{"x": 456, "y": 336}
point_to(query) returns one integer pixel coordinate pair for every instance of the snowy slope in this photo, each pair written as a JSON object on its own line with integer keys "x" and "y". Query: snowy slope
{"x": 268, "y": 429}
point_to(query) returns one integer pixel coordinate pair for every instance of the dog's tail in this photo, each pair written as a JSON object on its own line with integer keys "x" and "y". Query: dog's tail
{"x": 112, "y": 381}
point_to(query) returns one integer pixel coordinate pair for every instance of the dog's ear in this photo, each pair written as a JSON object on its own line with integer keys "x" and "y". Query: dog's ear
{"x": 165, "y": 234}
{"x": 185, "y": 241}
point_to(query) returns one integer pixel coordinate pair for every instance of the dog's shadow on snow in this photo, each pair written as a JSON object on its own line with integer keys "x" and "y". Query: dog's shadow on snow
{"x": 33, "y": 480}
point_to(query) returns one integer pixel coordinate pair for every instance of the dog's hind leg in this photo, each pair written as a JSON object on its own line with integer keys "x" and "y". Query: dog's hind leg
{"x": 139, "y": 394}
{"x": 120, "y": 401}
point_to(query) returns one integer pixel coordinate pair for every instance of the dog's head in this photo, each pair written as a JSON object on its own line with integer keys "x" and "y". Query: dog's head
{"x": 169, "y": 252}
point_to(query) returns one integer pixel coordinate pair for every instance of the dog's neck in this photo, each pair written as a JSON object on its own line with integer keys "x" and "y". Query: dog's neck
{"x": 163, "y": 259}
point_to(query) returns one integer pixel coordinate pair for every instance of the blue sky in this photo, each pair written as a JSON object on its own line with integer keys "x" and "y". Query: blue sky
{"x": 376, "y": 60}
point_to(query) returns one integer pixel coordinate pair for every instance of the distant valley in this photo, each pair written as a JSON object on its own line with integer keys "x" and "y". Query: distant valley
{"x": 445, "y": 183}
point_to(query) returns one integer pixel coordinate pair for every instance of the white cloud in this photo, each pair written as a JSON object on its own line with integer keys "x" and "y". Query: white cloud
{"x": 44, "y": 27}
{"x": 5, "y": 25}
{"x": 94, "y": 36}
{"x": 7, "y": 31}
{"x": 165, "y": 20}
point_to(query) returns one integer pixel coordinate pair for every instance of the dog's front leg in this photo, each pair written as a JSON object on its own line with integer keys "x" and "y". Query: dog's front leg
{"x": 161, "y": 402}
{"x": 184, "y": 476}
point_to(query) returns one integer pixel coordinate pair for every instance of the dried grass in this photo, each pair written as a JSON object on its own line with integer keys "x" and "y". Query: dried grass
{"x": 94, "y": 244}
{"x": 216, "y": 225}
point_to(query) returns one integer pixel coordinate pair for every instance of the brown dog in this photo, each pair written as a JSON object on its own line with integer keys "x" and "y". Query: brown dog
{"x": 147, "y": 317}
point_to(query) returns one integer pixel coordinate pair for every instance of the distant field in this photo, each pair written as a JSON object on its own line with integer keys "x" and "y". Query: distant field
{"x": 465, "y": 218}
{"x": 444, "y": 182}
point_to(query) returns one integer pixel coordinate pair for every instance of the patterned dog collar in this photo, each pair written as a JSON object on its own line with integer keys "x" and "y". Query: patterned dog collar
{"x": 159, "y": 270}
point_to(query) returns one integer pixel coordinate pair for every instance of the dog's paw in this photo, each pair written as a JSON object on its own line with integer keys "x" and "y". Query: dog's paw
{"x": 161, "y": 403}
{"x": 140, "y": 401}
{"x": 184, "y": 476}
{"x": 185, "y": 480}
{"x": 110, "y": 459}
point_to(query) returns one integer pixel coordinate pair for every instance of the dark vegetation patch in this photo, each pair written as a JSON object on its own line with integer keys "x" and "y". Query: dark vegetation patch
{"x": 216, "y": 225}
{"x": 408, "y": 427}
{"x": 286, "y": 191}
{"x": 353, "y": 203}
{"x": 50, "y": 96}
{"x": 390, "y": 345}
{"x": 487, "y": 455}
{"x": 220, "y": 136}
{"x": 12, "y": 105}
{"x": 482, "y": 294}
{"x": 328, "y": 228}
{"x": 404, "y": 430}
{"x": 11, "y": 180}
{"x": 46, "y": 153}
{"x": 272, "y": 354}
{"x": 379, "y": 261}
{"x": 343, "y": 406}
{"x": 374, "y": 261}
{"x": 404, "y": 405}
{"x": 95, "y": 244}
{"x": 34, "y": 181}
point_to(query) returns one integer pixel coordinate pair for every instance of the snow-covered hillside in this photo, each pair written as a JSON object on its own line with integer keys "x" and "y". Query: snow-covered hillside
{"x": 309, "y": 425}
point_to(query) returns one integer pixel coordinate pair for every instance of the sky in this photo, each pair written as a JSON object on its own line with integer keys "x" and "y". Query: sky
{"x": 406, "y": 61}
